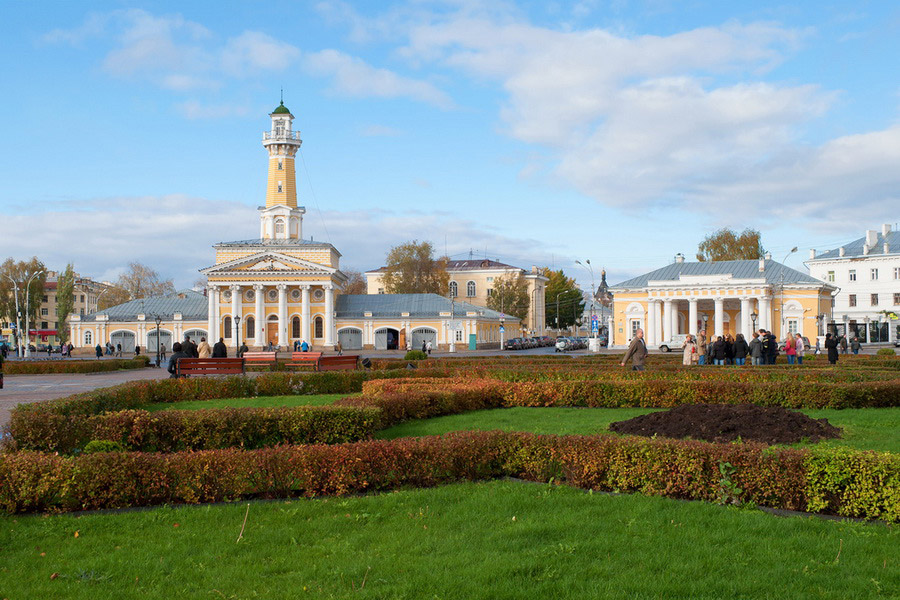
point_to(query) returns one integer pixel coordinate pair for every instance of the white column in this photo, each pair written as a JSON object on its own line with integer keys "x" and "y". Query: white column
{"x": 765, "y": 313}
{"x": 657, "y": 321}
{"x": 235, "y": 312}
{"x": 213, "y": 334}
{"x": 329, "y": 314}
{"x": 692, "y": 316}
{"x": 610, "y": 326}
{"x": 282, "y": 315}
{"x": 651, "y": 323}
{"x": 259, "y": 334}
{"x": 745, "y": 318}
{"x": 667, "y": 321}
{"x": 304, "y": 320}
{"x": 673, "y": 325}
{"x": 720, "y": 316}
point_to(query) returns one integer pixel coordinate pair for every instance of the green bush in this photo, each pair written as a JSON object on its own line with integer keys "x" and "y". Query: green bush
{"x": 415, "y": 355}
{"x": 886, "y": 352}
{"x": 42, "y": 367}
{"x": 104, "y": 446}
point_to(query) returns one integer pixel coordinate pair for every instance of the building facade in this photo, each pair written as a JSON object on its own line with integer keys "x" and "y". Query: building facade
{"x": 722, "y": 297}
{"x": 867, "y": 275}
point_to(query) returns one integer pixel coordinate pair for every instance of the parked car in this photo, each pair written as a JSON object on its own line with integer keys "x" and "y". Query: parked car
{"x": 562, "y": 344}
{"x": 546, "y": 340}
{"x": 513, "y": 344}
{"x": 675, "y": 343}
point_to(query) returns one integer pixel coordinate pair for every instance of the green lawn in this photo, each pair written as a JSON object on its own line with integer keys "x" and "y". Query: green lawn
{"x": 864, "y": 428}
{"x": 492, "y": 540}
{"x": 263, "y": 401}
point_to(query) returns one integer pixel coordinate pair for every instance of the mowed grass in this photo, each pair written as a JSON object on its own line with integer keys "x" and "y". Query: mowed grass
{"x": 864, "y": 428}
{"x": 260, "y": 401}
{"x": 497, "y": 540}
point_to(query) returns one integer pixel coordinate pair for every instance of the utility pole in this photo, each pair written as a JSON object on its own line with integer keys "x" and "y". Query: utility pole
{"x": 18, "y": 317}
{"x": 27, "y": 304}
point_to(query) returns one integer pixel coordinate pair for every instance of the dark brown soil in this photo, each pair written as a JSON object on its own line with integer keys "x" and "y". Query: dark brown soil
{"x": 728, "y": 422}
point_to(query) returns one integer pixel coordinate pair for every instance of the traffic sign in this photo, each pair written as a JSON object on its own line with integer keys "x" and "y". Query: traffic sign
{"x": 502, "y": 329}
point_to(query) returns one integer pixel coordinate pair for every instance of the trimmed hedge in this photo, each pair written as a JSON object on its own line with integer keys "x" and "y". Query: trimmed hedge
{"x": 41, "y": 367}
{"x": 859, "y": 484}
{"x": 177, "y": 430}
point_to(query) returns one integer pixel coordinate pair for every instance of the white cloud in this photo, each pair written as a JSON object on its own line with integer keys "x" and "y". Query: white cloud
{"x": 356, "y": 78}
{"x": 253, "y": 50}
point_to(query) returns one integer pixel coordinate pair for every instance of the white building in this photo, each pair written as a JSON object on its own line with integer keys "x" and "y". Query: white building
{"x": 867, "y": 273}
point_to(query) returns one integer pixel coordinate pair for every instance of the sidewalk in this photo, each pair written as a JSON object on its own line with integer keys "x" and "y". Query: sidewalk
{"x": 23, "y": 389}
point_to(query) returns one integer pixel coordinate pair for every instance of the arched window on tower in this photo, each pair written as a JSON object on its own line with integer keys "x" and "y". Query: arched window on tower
{"x": 295, "y": 327}
{"x": 227, "y": 327}
{"x": 470, "y": 289}
{"x": 454, "y": 289}
{"x": 251, "y": 328}
{"x": 279, "y": 227}
{"x": 320, "y": 327}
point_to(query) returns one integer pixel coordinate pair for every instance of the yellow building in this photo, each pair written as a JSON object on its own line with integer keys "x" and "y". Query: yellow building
{"x": 281, "y": 289}
{"x": 723, "y": 297}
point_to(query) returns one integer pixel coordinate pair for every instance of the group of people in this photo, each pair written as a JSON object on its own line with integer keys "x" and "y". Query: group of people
{"x": 188, "y": 349}
{"x": 426, "y": 346}
{"x": 98, "y": 350}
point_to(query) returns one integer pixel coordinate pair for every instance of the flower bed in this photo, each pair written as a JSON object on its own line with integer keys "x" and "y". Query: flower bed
{"x": 849, "y": 483}
{"x": 41, "y": 367}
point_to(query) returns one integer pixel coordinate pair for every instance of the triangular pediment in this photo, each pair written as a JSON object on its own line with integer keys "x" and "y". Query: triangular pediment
{"x": 269, "y": 263}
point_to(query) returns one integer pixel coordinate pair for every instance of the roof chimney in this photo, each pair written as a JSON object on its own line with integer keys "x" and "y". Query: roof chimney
{"x": 866, "y": 249}
{"x": 871, "y": 238}
{"x": 762, "y": 265}
{"x": 841, "y": 251}
{"x": 679, "y": 258}
{"x": 885, "y": 229}
{"x": 812, "y": 254}
{"x": 768, "y": 256}
{"x": 886, "y": 248}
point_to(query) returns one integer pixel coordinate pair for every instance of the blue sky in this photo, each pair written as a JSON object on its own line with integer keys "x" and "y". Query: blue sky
{"x": 533, "y": 133}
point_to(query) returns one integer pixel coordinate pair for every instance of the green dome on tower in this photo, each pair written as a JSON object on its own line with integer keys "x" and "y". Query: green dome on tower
{"x": 281, "y": 109}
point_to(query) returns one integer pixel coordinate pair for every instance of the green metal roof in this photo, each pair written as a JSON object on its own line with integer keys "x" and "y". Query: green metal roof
{"x": 281, "y": 109}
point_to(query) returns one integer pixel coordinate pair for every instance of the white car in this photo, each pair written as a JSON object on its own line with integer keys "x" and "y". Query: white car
{"x": 675, "y": 343}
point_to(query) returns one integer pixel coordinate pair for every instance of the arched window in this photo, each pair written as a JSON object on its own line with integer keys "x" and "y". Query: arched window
{"x": 251, "y": 328}
{"x": 279, "y": 225}
{"x": 295, "y": 327}
{"x": 228, "y": 327}
{"x": 320, "y": 327}
{"x": 470, "y": 289}
{"x": 454, "y": 290}
{"x": 88, "y": 338}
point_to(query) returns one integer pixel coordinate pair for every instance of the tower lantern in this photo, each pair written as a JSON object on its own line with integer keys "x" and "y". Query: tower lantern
{"x": 281, "y": 218}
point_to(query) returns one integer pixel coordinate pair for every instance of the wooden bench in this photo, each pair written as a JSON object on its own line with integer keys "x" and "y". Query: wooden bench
{"x": 186, "y": 367}
{"x": 254, "y": 358}
{"x": 305, "y": 359}
{"x": 339, "y": 363}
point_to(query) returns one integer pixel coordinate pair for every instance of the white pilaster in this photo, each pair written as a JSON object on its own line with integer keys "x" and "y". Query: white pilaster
{"x": 329, "y": 314}
{"x": 657, "y": 320}
{"x": 304, "y": 321}
{"x": 765, "y": 313}
{"x": 667, "y": 320}
{"x": 235, "y": 312}
{"x": 211, "y": 314}
{"x": 259, "y": 292}
{"x": 720, "y": 316}
{"x": 692, "y": 316}
{"x": 673, "y": 325}
{"x": 282, "y": 316}
{"x": 651, "y": 323}
{"x": 746, "y": 325}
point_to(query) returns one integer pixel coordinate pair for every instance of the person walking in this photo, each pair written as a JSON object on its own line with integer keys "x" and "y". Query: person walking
{"x": 843, "y": 344}
{"x": 119, "y": 350}
{"x": 799, "y": 348}
{"x": 689, "y": 348}
{"x": 242, "y": 349}
{"x": 177, "y": 354}
{"x": 189, "y": 347}
{"x": 219, "y": 350}
{"x": 637, "y": 352}
{"x": 162, "y": 352}
{"x": 424, "y": 347}
{"x": 789, "y": 349}
{"x": 99, "y": 351}
{"x": 203, "y": 350}
{"x": 701, "y": 347}
{"x": 137, "y": 351}
{"x": 756, "y": 350}
{"x": 428, "y": 347}
{"x": 772, "y": 347}
{"x": 729, "y": 350}
{"x": 831, "y": 346}
{"x": 339, "y": 348}
{"x": 855, "y": 345}
{"x": 304, "y": 347}
{"x": 740, "y": 350}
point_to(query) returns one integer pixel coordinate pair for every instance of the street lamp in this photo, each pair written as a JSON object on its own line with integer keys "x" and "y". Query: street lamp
{"x": 237, "y": 334}
{"x": 557, "y": 312}
{"x": 783, "y": 322}
{"x": 27, "y": 303}
{"x": 158, "y": 321}
{"x": 753, "y": 317}
{"x": 591, "y": 269}
{"x": 705, "y": 318}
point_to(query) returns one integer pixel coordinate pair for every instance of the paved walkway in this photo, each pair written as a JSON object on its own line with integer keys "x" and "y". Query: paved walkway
{"x": 22, "y": 389}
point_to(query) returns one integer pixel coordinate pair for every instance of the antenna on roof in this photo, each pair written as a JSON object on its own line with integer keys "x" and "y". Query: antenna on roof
{"x": 282, "y": 95}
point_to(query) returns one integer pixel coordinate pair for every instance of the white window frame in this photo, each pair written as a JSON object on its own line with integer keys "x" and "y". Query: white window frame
{"x": 793, "y": 326}
{"x": 830, "y": 276}
{"x": 454, "y": 289}
{"x": 852, "y": 275}
{"x": 470, "y": 289}
{"x": 874, "y": 274}
{"x": 88, "y": 338}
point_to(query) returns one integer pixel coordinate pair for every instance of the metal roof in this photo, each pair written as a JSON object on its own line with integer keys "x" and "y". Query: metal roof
{"x": 277, "y": 243}
{"x": 417, "y": 305}
{"x": 192, "y": 305}
{"x": 472, "y": 264}
{"x": 738, "y": 269}
{"x": 855, "y": 248}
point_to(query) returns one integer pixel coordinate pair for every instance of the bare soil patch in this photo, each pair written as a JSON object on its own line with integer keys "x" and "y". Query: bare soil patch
{"x": 728, "y": 422}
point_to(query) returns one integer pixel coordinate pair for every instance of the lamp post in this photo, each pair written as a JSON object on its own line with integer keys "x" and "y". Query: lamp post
{"x": 27, "y": 303}
{"x": 591, "y": 269}
{"x": 705, "y": 318}
{"x": 753, "y": 317}
{"x": 557, "y": 312}
{"x": 158, "y": 321}
{"x": 846, "y": 320}
{"x": 18, "y": 316}
{"x": 237, "y": 334}
{"x": 783, "y": 321}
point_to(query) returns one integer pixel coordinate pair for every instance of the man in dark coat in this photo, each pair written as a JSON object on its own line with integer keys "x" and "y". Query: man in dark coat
{"x": 772, "y": 347}
{"x": 177, "y": 353}
{"x": 720, "y": 350}
{"x": 219, "y": 350}
{"x": 637, "y": 352}
{"x": 831, "y": 345}
{"x": 190, "y": 348}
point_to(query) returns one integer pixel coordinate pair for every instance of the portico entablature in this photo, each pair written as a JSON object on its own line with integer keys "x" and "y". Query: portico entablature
{"x": 269, "y": 266}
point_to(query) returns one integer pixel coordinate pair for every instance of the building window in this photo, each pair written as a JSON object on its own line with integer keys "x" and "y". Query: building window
{"x": 295, "y": 327}
{"x": 874, "y": 274}
{"x": 87, "y": 339}
{"x": 280, "y": 187}
{"x": 635, "y": 325}
{"x": 82, "y": 298}
{"x": 830, "y": 276}
{"x": 851, "y": 300}
{"x": 874, "y": 299}
{"x": 490, "y": 292}
{"x": 280, "y": 165}
{"x": 470, "y": 289}
{"x": 380, "y": 290}
{"x": 251, "y": 328}
{"x": 319, "y": 327}
{"x": 228, "y": 327}
{"x": 459, "y": 335}
{"x": 454, "y": 289}
{"x": 896, "y": 272}
{"x": 852, "y": 274}
{"x": 44, "y": 312}
{"x": 44, "y": 325}
{"x": 490, "y": 279}
{"x": 896, "y": 299}
{"x": 279, "y": 224}
{"x": 792, "y": 326}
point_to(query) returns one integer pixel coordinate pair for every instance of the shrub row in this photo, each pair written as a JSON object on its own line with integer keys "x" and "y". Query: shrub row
{"x": 843, "y": 482}
{"x": 177, "y": 430}
{"x": 41, "y": 367}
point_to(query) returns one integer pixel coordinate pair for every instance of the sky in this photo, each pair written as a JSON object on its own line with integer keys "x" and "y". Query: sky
{"x": 535, "y": 133}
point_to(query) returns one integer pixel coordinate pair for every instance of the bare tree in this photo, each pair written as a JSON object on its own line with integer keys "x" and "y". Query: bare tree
{"x": 139, "y": 281}
{"x": 356, "y": 282}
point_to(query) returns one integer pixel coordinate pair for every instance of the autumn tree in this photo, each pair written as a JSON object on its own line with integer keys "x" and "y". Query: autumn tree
{"x": 509, "y": 295}
{"x": 563, "y": 300}
{"x": 65, "y": 302}
{"x": 725, "y": 244}
{"x": 412, "y": 269}
{"x": 20, "y": 272}
{"x": 139, "y": 281}
{"x": 356, "y": 283}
